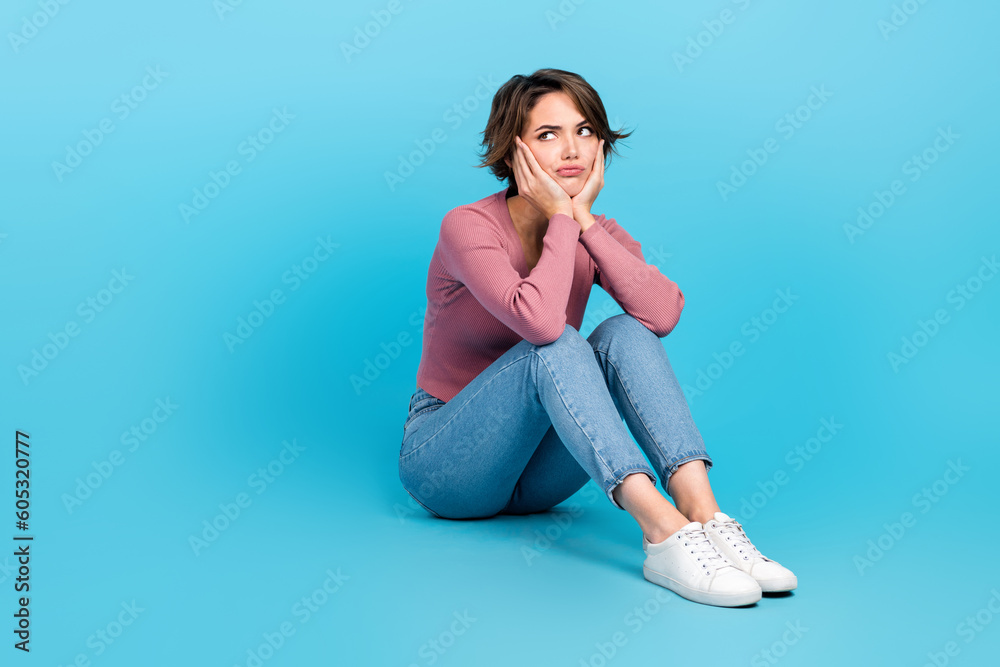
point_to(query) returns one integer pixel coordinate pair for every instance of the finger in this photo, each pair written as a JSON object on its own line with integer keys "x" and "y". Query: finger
{"x": 598, "y": 172}
{"x": 522, "y": 155}
{"x": 595, "y": 172}
{"x": 527, "y": 178}
{"x": 529, "y": 159}
{"x": 518, "y": 163}
{"x": 533, "y": 174}
{"x": 594, "y": 178}
{"x": 595, "y": 169}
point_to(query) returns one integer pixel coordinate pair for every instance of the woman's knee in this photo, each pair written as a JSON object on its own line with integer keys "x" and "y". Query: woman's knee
{"x": 622, "y": 324}
{"x": 624, "y": 331}
{"x": 569, "y": 342}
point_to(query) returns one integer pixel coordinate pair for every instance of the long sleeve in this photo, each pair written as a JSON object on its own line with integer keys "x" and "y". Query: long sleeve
{"x": 534, "y": 307}
{"x": 639, "y": 288}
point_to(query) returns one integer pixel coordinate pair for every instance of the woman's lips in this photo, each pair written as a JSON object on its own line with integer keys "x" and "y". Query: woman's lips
{"x": 575, "y": 171}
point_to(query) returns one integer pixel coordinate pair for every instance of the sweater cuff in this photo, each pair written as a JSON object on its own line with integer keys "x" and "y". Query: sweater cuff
{"x": 592, "y": 237}
{"x": 563, "y": 219}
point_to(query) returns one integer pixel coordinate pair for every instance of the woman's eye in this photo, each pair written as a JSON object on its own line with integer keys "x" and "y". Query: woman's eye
{"x": 589, "y": 130}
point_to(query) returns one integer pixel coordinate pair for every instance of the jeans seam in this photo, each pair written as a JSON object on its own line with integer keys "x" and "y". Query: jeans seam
{"x": 684, "y": 457}
{"x": 485, "y": 384}
{"x": 597, "y": 452}
{"x": 628, "y": 395}
{"x": 421, "y": 504}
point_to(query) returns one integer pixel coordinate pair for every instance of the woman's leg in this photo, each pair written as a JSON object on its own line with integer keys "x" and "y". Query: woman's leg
{"x": 464, "y": 459}
{"x": 553, "y": 475}
{"x": 650, "y": 399}
{"x": 691, "y": 491}
{"x": 644, "y": 387}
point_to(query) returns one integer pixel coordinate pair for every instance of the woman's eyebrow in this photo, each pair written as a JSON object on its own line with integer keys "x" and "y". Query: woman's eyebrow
{"x": 558, "y": 127}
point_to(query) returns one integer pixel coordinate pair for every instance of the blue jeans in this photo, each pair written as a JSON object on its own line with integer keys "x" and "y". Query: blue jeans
{"x": 540, "y": 421}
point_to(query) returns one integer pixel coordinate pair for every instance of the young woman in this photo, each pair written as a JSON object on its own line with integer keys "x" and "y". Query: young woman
{"x": 514, "y": 411}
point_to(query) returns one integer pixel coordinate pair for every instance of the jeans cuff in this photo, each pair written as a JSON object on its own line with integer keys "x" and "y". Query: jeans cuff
{"x": 620, "y": 477}
{"x": 703, "y": 456}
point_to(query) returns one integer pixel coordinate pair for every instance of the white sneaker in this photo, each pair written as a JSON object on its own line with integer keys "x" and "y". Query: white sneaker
{"x": 689, "y": 564}
{"x": 728, "y": 535}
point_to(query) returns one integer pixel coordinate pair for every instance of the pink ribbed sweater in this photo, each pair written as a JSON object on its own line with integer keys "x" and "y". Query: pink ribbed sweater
{"x": 482, "y": 300}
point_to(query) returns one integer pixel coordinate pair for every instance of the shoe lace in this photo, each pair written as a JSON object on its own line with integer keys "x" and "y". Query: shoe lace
{"x": 705, "y": 550}
{"x": 733, "y": 529}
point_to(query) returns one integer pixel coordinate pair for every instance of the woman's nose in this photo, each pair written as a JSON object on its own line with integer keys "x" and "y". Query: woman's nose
{"x": 571, "y": 147}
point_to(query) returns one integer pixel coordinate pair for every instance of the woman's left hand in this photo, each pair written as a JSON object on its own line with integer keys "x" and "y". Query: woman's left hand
{"x": 595, "y": 182}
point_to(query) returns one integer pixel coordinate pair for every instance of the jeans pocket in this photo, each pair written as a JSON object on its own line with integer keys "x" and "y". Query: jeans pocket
{"x": 416, "y": 413}
{"x": 420, "y": 403}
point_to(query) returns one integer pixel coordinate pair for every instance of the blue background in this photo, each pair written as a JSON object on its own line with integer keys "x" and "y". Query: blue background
{"x": 338, "y": 505}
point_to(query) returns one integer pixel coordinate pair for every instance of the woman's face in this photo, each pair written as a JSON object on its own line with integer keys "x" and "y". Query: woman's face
{"x": 559, "y": 137}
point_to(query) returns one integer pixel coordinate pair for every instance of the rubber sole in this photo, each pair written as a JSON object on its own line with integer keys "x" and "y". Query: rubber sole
{"x": 714, "y": 599}
{"x": 778, "y": 585}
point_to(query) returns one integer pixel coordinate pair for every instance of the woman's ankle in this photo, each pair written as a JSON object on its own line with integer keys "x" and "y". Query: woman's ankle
{"x": 699, "y": 514}
{"x": 660, "y": 532}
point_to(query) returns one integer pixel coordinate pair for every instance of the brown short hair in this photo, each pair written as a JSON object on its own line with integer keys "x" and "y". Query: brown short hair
{"x": 515, "y": 99}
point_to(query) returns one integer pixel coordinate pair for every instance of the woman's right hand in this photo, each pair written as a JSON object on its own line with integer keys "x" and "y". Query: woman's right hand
{"x": 536, "y": 186}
